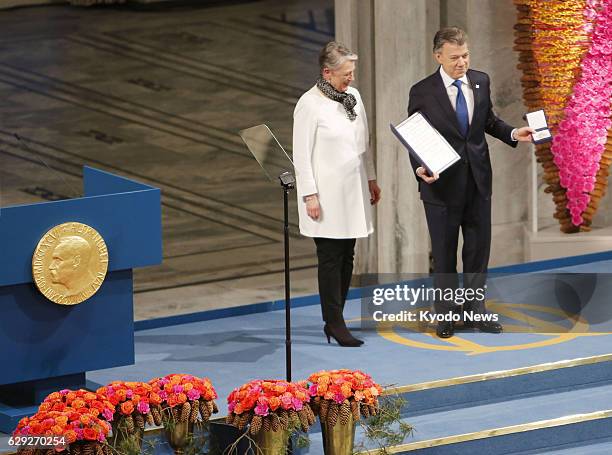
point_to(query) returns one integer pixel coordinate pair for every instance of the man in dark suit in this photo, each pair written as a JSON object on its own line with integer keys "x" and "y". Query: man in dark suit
{"x": 457, "y": 102}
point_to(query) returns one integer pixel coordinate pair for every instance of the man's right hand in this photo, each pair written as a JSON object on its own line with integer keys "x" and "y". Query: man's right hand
{"x": 421, "y": 172}
{"x": 312, "y": 206}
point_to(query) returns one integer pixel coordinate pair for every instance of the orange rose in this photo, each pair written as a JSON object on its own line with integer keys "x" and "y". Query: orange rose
{"x": 57, "y": 429}
{"x": 127, "y": 408}
{"x": 78, "y": 403}
{"x": 274, "y": 403}
{"x": 90, "y": 434}
{"x": 71, "y": 436}
{"x": 61, "y": 420}
{"x": 182, "y": 398}
{"x": 53, "y": 396}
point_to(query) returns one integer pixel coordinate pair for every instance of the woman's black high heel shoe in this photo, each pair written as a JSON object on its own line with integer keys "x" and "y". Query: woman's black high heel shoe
{"x": 341, "y": 334}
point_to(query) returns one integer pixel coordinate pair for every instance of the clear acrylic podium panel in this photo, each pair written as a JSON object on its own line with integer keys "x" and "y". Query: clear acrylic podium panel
{"x": 268, "y": 152}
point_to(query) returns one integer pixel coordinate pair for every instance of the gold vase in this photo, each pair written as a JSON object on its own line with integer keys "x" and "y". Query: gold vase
{"x": 179, "y": 434}
{"x": 272, "y": 442}
{"x": 123, "y": 441}
{"x": 339, "y": 439}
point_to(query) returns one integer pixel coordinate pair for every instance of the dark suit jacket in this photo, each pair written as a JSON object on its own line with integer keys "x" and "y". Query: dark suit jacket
{"x": 429, "y": 96}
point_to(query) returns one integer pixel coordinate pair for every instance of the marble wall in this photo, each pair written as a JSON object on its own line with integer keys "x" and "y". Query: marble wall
{"x": 393, "y": 39}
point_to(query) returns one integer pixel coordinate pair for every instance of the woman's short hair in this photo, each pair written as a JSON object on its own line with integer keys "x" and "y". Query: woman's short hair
{"x": 334, "y": 54}
{"x": 449, "y": 35}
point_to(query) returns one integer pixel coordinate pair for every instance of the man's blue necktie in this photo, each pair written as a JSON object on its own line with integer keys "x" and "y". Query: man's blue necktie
{"x": 461, "y": 109}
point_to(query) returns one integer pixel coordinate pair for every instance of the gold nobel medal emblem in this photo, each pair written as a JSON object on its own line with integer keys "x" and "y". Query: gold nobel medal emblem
{"x": 70, "y": 263}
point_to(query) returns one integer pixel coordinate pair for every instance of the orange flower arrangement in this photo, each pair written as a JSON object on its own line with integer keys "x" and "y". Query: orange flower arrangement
{"x": 93, "y": 403}
{"x": 339, "y": 393}
{"x": 84, "y": 432}
{"x": 185, "y": 396}
{"x": 270, "y": 405}
{"x": 134, "y": 403}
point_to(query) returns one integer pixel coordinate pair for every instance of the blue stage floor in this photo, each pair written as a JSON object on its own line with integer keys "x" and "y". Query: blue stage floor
{"x": 232, "y": 351}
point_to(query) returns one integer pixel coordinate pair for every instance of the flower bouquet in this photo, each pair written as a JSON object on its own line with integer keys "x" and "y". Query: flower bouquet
{"x": 273, "y": 409}
{"x": 184, "y": 398}
{"x": 339, "y": 395}
{"x": 340, "y": 398}
{"x": 94, "y": 403}
{"x": 270, "y": 405}
{"x": 77, "y": 430}
{"x": 134, "y": 403}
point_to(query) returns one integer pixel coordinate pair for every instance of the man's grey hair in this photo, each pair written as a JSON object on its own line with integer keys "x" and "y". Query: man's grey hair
{"x": 449, "y": 35}
{"x": 335, "y": 54}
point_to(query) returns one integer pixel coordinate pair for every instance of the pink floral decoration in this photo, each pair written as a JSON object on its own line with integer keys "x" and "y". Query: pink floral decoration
{"x": 581, "y": 136}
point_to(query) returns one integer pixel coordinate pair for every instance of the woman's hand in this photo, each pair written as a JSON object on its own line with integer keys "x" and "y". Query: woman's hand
{"x": 374, "y": 192}
{"x": 312, "y": 206}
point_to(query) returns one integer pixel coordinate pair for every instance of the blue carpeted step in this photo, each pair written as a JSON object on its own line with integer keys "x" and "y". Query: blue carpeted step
{"x": 501, "y": 386}
{"x": 598, "y": 447}
{"x": 478, "y": 421}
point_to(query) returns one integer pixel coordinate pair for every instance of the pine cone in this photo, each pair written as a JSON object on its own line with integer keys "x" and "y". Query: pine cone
{"x": 324, "y": 409}
{"x": 215, "y": 408}
{"x": 129, "y": 425}
{"x": 87, "y": 449}
{"x": 284, "y": 419}
{"x": 149, "y": 419}
{"x": 303, "y": 420}
{"x": 209, "y": 405}
{"x": 157, "y": 417}
{"x": 229, "y": 419}
{"x": 266, "y": 425}
{"x": 332, "y": 415}
{"x": 246, "y": 418}
{"x": 256, "y": 424}
{"x": 204, "y": 411}
{"x": 275, "y": 421}
{"x": 365, "y": 410}
{"x": 99, "y": 450}
{"x": 373, "y": 410}
{"x": 185, "y": 412}
{"x": 315, "y": 403}
{"x": 195, "y": 411}
{"x": 311, "y": 415}
{"x": 345, "y": 413}
{"x": 75, "y": 449}
{"x": 107, "y": 450}
{"x": 294, "y": 419}
{"x": 175, "y": 413}
{"x": 355, "y": 410}
{"x": 139, "y": 421}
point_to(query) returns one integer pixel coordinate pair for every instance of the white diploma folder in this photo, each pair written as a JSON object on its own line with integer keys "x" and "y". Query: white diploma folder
{"x": 426, "y": 144}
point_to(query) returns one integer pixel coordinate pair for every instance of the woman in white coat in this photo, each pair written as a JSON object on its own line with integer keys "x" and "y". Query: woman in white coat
{"x": 336, "y": 182}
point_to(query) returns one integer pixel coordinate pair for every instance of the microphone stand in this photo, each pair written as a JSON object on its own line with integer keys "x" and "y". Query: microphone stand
{"x": 287, "y": 181}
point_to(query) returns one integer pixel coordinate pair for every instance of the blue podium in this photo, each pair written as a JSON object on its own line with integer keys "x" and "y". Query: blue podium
{"x": 44, "y": 346}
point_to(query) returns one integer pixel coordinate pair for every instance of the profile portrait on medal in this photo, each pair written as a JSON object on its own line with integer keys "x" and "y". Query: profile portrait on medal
{"x": 69, "y": 268}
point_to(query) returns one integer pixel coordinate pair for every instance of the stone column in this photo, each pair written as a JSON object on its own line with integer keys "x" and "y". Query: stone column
{"x": 392, "y": 38}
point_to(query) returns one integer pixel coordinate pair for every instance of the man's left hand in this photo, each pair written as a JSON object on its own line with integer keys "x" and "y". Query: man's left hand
{"x": 524, "y": 134}
{"x": 374, "y": 192}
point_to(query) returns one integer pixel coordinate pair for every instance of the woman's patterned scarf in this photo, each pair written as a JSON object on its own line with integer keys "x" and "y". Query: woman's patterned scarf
{"x": 346, "y": 99}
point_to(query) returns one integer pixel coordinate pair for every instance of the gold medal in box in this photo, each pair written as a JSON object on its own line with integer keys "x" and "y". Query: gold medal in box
{"x": 70, "y": 263}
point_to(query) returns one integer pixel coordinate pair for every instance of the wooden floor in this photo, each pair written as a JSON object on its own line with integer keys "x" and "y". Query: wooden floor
{"x": 158, "y": 95}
